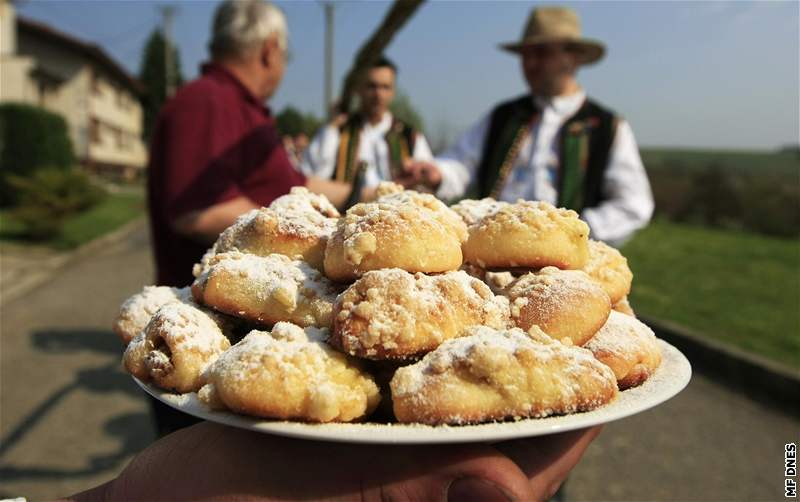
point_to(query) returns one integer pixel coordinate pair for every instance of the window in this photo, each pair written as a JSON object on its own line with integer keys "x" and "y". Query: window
{"x": 95, "y": 83}
{"x": 118, "y": 135}
{"x": 94, "y": 131}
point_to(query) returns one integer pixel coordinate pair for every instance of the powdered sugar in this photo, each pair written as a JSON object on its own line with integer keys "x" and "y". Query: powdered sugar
{"x": 552, "y": 288}
{"x": 277, "y": 276}
{"x": 442, "y": 213}
{"x": 535, "y": 217}
{"x": 486, "y": 354}
{"x": 473, "y": 211}
{"x": 300, "y": 199}
{"x": 186, "y": 327}
{"x": 408, "y": 310}
{"x": 621, "y": 335}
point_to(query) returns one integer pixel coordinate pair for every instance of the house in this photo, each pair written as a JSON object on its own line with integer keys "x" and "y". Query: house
{"x": 98, "y": 98}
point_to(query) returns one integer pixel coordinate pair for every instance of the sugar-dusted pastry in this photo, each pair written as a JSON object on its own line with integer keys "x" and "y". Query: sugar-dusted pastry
{"x": 473, "y": 211}
{"x": 624, "y": 307}
{"x": 610, "y": 269}
{"x": 300, "y": 199}
{"x": 291, "y": 374}
{"x": 628, "y": 347}
{"x": 564, "y": 303}
{"x": 136, "y": 311}
{"x": 496, "y": 375}
{"x": 266, "y": 289}
{"x": 528, "y": 235}
{"x": 443, "y": 214}
{"x": 387, "y": 188}
{"x": 393, "y": 314}
{"x": 377, "y": 235}
{"x": 297, "y": 225}
{"x": 175, "y": 347}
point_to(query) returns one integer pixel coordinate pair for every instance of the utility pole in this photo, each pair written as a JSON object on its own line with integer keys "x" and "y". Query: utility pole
{"x": 168, "y": 15}
{"x": 328, "y": 99}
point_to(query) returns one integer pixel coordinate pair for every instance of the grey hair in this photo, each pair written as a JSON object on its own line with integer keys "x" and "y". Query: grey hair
{"x": 241, "y": 25}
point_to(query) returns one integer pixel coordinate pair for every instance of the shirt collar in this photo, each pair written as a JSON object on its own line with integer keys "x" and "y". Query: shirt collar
{"x": 219, "y": 72}
{"x": 382, "y": 126}
{"x": 561, "y": 105}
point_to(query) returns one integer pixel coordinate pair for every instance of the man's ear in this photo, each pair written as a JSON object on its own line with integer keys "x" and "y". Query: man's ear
{"x": 269, "y": 51}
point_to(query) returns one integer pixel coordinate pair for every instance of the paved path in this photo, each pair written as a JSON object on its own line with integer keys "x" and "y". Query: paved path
{"x": 70, "y": 419}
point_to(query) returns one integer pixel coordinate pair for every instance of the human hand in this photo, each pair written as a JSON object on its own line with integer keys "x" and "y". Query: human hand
{"x": 369, "y": 194}
{"x": 417, "y": 173}
{"x": 213, "y": 462}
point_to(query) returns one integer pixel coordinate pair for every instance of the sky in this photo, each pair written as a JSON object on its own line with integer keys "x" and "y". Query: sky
{"x": 722, "y": 75}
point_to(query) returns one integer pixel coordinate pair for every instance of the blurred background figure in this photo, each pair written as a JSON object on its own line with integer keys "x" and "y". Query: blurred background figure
{"x": 288, "y": 145}
{"x": 216, "y": 152}
{"x": 554, "y": 144}
{"x": 300, "y": 145}
{"x": 370, "y": 145}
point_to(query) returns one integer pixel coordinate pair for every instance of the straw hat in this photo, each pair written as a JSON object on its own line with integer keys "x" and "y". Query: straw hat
{"x": 557, "y": 24}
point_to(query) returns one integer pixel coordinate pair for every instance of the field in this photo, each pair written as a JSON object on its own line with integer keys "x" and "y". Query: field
{"x": 738, "y": 288}
{"x": 784, "y": 162}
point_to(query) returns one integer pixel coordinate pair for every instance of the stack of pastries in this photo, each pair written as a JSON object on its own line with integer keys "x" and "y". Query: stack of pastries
{"x": 402, "y": 309}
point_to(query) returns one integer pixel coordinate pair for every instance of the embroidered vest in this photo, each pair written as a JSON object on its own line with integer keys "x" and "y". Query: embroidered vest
{"x": 400, "y": 140}
{"x": 584, "y": 142}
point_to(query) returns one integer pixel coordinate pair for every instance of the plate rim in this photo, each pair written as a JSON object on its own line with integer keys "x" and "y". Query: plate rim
{"x": 625, "y": 405}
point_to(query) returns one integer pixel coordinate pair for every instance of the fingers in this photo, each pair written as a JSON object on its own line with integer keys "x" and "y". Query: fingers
{"x": 547, "y": 460}
{"x": 450, "y": 472}
{"x": 419, "y": 173}
{"x": 210, "y": 462}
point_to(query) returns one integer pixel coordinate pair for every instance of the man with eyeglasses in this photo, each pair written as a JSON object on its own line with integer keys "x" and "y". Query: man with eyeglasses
{"x": 554, "y": 144}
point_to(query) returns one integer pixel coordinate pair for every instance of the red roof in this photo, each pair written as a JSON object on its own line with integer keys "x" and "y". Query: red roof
{"x": 89, "y": 50}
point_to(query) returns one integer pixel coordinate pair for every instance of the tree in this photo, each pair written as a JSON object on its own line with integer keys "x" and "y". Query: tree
{"x": 292, "y": 121}
{"x": 153, "y": 76}
{"x": 400, "y": 12}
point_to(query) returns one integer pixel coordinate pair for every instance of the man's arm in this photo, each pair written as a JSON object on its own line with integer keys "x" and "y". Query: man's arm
{"x": 629, "y": 199}
{"x": 205, "y": 225}
{"x": 336, "y": 191}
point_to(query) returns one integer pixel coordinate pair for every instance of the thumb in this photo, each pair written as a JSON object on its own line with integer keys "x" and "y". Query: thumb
{"x": 548, "y": 460}
{"x": 458, "y": 473}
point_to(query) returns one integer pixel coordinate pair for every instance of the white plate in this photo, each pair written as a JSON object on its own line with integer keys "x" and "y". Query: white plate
{"x": 670, "y": 378}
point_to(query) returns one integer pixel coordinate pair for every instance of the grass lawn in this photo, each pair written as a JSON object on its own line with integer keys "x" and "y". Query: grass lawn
{"x": 114, "y": 211}
{"x": 738, "y": 288}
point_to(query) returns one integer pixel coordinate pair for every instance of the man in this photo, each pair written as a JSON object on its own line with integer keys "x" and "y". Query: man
{"x": 554, "y": 144}
{"x": 216, "y": 152}
{"x": 371, "y": 145}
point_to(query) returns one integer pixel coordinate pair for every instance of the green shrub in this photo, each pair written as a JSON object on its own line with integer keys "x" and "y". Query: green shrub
{"x": 762, "y": 200}
{"x": 48, "y": 197}
{"x": 31, "y": 138}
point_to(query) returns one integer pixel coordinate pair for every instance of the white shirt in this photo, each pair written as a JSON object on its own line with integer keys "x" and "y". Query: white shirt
{"x": 628, "y": 203}
{"x": 320, "y": 156}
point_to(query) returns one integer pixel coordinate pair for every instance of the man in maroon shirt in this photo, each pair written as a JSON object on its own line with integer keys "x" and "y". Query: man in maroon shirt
{"x": 216, "y": 153}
